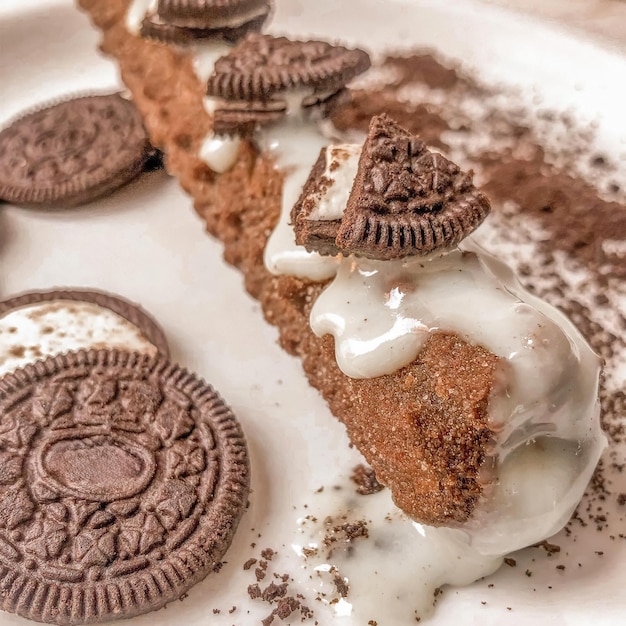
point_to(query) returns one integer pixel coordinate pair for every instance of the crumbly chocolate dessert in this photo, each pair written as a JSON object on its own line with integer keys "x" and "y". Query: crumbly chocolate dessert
{"x": 423, "y": 425}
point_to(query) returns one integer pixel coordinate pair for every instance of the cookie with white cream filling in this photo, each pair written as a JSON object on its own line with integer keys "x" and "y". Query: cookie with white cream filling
{"x": 38, "y": 324}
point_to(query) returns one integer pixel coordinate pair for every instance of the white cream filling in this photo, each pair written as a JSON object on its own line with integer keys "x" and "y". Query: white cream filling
{"x": 341, "y": 166}
{"x": 40, "y": 330}
{"x": 231, "y": 21}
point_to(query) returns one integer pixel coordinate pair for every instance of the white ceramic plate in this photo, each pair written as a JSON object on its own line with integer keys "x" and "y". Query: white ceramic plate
{"x": 145, "y": 243}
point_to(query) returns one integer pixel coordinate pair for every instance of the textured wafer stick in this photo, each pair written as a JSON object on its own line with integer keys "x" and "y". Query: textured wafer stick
{"x": 424, "y": 428}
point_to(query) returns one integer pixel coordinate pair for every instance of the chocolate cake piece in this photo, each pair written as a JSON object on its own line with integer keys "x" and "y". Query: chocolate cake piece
{"x": 443, "y": 437}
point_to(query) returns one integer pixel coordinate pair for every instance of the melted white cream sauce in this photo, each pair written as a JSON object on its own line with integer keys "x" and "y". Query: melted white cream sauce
{"x": 39, "y": 330}
{"x": 219, "y": 153}
{"x": 295, "y": 145}
{"x": 391, "y": 574}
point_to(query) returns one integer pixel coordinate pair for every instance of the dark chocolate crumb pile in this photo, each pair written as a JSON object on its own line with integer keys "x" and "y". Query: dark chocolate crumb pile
{"x": 274, "y": 589}
{"x": 365, "y": 480}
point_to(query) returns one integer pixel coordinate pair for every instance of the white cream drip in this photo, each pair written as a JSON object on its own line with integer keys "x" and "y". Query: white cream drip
{"x": 295, "y": 145}
{"x": 137, "y": 12}
{"x": 39, "y": 330}
{"x": 219, "y": 153}
{"x": 393, "y": 573}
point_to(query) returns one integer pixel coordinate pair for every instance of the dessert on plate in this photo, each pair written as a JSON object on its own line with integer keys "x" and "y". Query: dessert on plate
{"x": 450, "y": 378}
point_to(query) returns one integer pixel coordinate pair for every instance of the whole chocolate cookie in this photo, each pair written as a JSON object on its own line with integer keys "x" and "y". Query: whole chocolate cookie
{"x": 122, "y": 481}
{"x": 72, "y": 152}
{"x": 261, "y": 66}
{"x": 183, "y": 22}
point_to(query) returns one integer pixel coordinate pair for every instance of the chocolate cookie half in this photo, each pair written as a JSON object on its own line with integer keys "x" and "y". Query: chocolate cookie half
{"x": 401, "y": 199}
{"x": 123, "y": 478}
{"x": 263, "y": 78}
{"x": 72, "y": 152}
{"x": 261, "y": 66}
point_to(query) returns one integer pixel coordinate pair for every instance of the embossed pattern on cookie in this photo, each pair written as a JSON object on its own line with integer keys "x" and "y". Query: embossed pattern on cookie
{"x": 122, "y": 481}
{"x": 72, "y": 152}
{"x": 405, "y": 200}
{"x": 261, "y": 66}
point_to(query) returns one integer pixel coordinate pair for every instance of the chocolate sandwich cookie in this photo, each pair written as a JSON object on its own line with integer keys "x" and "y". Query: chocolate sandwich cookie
{"x": 262, "y": 68}
{"x": 72, "y": 152}
{"x": 405, "y": 200}
{"x": 123, "y": 478}
{"x": 38, "y": 324}
{"x": 243, "y": 118}
{"x": 185, "y": 22}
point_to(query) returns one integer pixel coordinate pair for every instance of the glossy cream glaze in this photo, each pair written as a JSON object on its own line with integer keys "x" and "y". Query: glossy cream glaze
{"x": 392, "y": 573}
{"x": 545, "y": 412}
{"x": 40, "y": 330}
